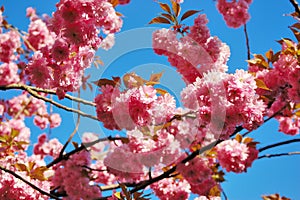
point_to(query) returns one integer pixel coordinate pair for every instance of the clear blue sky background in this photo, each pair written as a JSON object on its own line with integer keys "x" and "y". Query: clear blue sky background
{"x": 267, "y": 24}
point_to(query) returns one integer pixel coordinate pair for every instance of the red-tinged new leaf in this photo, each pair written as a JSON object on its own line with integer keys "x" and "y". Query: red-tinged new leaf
{"x": 75, "y": 144}
{"x": 155, "y": 77}
{"x": 160, "y": 20}
{"x": 297, "y": 113}
{"x": 269, "y": 54}
{"x": 161, "y": 91}
{"x": 238, "y": 137}
{"x": 2, "y": 9}
{"x": 21, "y": 167}
{"x": 188, "y": 14}
{"x": 165, "y": 7}
{"x": 105, "y": 81}
{"x": 169, "y": 17}
{"x": 176, "y": 8}
{"x": 38, "y": 173}
{"x": 247, "y": 140}
{"x": 296, "y": 25}
{"x": 138, "y": 81}
{"x": 114, "y": 2}
{"x": 90, "y": 86}
{"x": 261, "y": 84}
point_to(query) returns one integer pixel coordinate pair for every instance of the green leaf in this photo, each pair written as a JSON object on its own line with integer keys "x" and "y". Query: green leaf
{"x": 155, "y": 77}
{"x": 188, "y": 14}
{"x": 160, "y": 20}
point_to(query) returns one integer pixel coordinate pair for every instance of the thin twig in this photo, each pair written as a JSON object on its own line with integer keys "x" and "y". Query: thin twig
{"x": 247, "y": 42}
{"x": 279, "y": 144}
{"x": 36, "y": 95}
{"x": 47, "y": 91}
{"x": 82, "y": 147}
{"x": 278, "y": 155}
{"x": 28, "y": 183}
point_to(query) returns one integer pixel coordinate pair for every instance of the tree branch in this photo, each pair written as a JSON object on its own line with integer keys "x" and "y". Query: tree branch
{"x": 247, "y": 42}
{"x": 82, "y": 147}
{"x": 278, "y": 144}
{"x": 278, "y": 155}
{"x": 47, "y": 91}
{"x": 36, "y": 95}
{"x": 296, "y": 6}
{"x": 28, "y": 183}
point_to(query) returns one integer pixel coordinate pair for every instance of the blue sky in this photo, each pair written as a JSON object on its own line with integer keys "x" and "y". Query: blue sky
{"x": 267, "y": 24}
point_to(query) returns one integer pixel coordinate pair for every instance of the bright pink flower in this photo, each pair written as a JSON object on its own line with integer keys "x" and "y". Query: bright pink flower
{"x": 9, "y": 43}
{"x": 234, "y": 156}
{"x": 235, "y": 13}
{"x": 9, "y": 73}
{"x": 54, "y": 120}
{"x": 60, "y": 50}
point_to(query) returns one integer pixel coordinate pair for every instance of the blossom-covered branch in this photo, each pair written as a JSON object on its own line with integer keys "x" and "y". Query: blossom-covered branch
{"x": 28, "y": 183}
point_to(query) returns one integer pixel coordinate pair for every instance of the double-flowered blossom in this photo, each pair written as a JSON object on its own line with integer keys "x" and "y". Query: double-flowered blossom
{"x": 234, "y": 156}
{"x": 282, "y": 90}
{"x": 9, "y": 43}
{"x": 72, "y": 177}
{"x": 46, "y": 147}
{"x": 170, "y": 188}
{"x": 192, "y": 54}
{"x": 224, "y": 101}
{"x": 137, "y": 106}
{"x": 24, "y": 106}
{"x": 9, "y": 73}
{"x": 235, "y": 12}
{"x": 198, "y": 175}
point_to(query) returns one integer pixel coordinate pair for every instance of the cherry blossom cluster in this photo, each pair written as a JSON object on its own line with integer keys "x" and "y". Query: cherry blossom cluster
{"x": 72, "y": 177}
{"x": 282, "y": 91}
{"x": 193, "y": 54}
{"x": 13, "y": 188}
{"x": 236, "y": 157}
{"x": 65, "y": 44}
{"x": 46, "y": 147}
{"x": 198, "y": 175}
{"x": 171, "y": 188}
{"x": 23, "y": 106}
{"x": 137, "y": 106}
{"x": 226, "y": 101}
{"x": 235, "y": 13}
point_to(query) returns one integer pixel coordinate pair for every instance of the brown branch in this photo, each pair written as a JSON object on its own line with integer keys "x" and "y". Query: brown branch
{"x": 167, "y": 173}
{"x": 47, "y": 91}
{"x": 28, "y": 183}
{"x": 82, "y": 147}
{"x": 279, "y": 144}
{"x": 36, "y": 95}
{"x": 247, "y": 42}
{"x": 296, "y": 6}
{"x": 278, "y": 155}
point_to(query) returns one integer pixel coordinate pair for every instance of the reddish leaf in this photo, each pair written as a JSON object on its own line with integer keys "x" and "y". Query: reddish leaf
{"x": 161, "y": 91}
{"x": 176, "y": 8}
{"x": 261, "y": 84}
{"x": 165, "y": 7}
{"x": 105, "y": 81}
{"x": 21, "y": 167}
{"x": 188, "y": 14}
{"x": 133, "y": 80}
{"x": 238, "y": 137}
{"x": 155, "y": 77}
{"x": 159, "y": 20}
{"x": 114, "y": 2}
{"x": 269, "y": 54}
{"x": 2, "y": 9}
{"x": 168, "y": 16}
